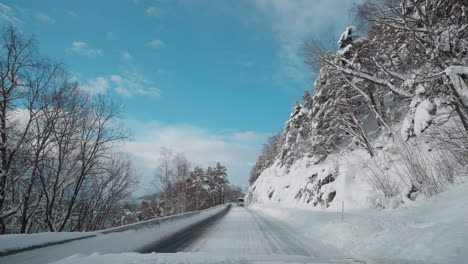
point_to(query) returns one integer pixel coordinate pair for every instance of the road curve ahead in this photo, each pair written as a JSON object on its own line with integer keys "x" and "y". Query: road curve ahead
{"x": 245, "y": 231}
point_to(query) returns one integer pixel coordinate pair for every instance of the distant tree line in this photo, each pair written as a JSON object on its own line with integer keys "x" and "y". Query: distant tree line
{"x": 180, "y": 188}
{"x": 59, "y": 169}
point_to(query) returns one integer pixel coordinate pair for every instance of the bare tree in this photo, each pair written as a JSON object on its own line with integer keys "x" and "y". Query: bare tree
{"x": 23, "y": 78}
{"x": 164, "y": 176}
{"x": 182, "y": 168}
{"x": 56, "y": 146}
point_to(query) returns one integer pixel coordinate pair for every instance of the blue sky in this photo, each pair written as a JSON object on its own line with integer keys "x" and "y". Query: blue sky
{"x": 210, "y": 78}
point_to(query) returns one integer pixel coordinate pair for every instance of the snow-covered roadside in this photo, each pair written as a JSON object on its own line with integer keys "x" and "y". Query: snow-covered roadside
{"x": 20, "y": 241}
{"x": 430, "y": 230}
{"x": 126, "y": 241}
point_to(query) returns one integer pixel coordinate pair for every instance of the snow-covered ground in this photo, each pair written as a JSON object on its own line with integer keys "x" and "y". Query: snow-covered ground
{"x": 127, "y": 241}
{"x": 429, "y": 230}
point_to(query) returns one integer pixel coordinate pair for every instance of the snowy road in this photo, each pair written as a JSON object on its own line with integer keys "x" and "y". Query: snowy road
{"x": 243, "y": 235}
{"x": 241, "y": 232}
{"x": 246, "y": 232}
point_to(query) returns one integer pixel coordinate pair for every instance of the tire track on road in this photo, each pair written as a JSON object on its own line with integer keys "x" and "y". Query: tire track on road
{"x": 282, "y": 240}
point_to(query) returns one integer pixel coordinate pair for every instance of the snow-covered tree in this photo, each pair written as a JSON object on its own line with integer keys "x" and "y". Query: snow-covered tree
{"x": 296, "y": 135}
{"x": 270, "y": 150}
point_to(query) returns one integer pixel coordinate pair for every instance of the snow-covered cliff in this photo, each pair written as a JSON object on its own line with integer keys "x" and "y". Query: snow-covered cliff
{"x": 387, "y": 121}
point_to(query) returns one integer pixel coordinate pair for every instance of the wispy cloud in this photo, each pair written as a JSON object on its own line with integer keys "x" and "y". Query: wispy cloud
{"x": 151, "y": 11}
{"x": 72, "y": 13}
{"x": 132, "y": 83}
{"x": 127, "y": 84}
{"x": 99, "y": 85}
{"x": 293, "y": 22}
{"x": 82, "y": 48}
{"x": 156, "y": 43}
{"x": 43, "y": 17}
{"x": 152, "y": 92}
{"x": 250, "y": 136}
{"x": 9, "y": 15}
{"x": 123, "y": 91}
{"x": 127, "y": 56}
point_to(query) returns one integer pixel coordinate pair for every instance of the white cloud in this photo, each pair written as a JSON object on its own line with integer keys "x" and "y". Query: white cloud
{"x": 152, "y": 92}
{"x": 156, "y": 43}
{"x": 122, "y": 85}
{"x": 151, "y": 11}
{"x": 5, "y": 8}
{"x": 8, "y": 15}
{"x": 250, "y": 136}
{"x": 81, "y": 47}
{"x": 127, "y": 56}
{"x": 132, "y": 83}
{"x": 123, "y": 91}
{"x": 127, "y": 84}
{"x": 43, "y": 17}
{"x": 293, "y": 22}
{"x": 201, "y": 146}
{"x": 99, "y": 85}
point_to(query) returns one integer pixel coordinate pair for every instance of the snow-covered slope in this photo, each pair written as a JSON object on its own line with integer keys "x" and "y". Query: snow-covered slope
{"x": 355, "y": 180}
{"x": 322, "y": 186}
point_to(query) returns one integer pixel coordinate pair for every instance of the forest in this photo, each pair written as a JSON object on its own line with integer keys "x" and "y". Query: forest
{"x": 180, "y": 188}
